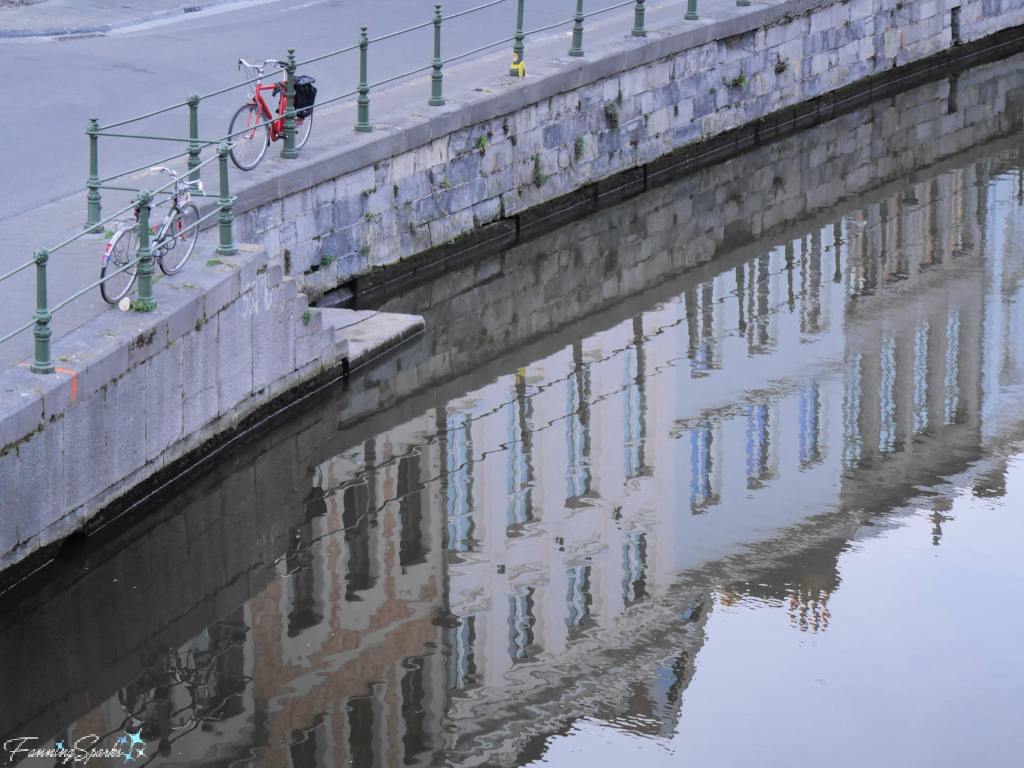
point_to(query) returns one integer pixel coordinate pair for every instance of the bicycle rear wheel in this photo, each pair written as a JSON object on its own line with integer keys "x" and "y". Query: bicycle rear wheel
{"x": 250, "y": 145}
{"x": 124, "y": 248}
{"x": 302, "y": 129}
{"x": 179, "y": 246}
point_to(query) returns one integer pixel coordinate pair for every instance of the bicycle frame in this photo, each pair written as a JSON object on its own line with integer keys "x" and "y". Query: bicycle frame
{"x": 276, "y": 124}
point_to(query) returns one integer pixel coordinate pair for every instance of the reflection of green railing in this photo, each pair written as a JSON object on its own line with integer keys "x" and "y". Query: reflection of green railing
{"x": 195, "y": 145}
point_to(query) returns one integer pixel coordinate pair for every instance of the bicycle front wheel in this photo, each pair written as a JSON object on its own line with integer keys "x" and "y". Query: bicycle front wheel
{"x": 123, "y": 249}
{"x": 302, "y": 129}
{"x": 180, "y": 240}
{"x": 252, "y": 139}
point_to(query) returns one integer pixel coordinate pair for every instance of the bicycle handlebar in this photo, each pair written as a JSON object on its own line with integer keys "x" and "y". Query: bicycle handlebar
{"x": 259, "y": 65}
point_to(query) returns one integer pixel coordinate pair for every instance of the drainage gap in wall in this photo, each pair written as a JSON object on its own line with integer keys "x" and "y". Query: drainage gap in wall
{"x": 954, "y": 24}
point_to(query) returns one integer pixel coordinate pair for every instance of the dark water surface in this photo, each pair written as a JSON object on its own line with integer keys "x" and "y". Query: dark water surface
{"x": 727, "y": 474}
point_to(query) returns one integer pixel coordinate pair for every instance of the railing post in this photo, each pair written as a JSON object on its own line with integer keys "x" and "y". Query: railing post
{"x": 363, "y": 102}
{"x": 518, "y": 68}
{"x": 288, "y": 151}
{"x": 42, "y": 362}
{"x": 225, "y": 218}
{"x": 436, "y": 84}
{"x": 193, "y": 136}
{"x": 577, "y": 31}
{"x": 691, "y": 10}
{"x": 639, "y": 30}
{"x": 145, "y": 302}
{"x": 92, "y": 219}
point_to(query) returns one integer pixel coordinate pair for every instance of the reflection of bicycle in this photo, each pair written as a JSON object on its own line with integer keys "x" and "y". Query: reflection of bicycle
{"x": 253, "y": 127}
{"x": 173, "y": 244}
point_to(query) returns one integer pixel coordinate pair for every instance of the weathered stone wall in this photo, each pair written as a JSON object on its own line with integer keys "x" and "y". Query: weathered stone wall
{"x": 211, "y": 546}
{"x": 747, "y": 205}
{"x": 73, "y": 441}
{"x": 134, "y": 392}
{"x": 418, "y": 190}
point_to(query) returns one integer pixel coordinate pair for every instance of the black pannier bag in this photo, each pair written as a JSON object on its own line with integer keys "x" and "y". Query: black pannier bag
{"x": 305, "y": 96}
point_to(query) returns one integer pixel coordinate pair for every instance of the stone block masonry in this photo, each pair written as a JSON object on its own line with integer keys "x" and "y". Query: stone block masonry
{"x": 420, "y": 181}
{"x": 135, "y": 392}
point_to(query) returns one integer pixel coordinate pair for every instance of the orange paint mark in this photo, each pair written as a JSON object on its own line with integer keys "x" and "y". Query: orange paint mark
{"x": 74, "y": 379}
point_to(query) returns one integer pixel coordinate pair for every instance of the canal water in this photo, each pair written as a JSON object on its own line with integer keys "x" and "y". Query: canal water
{"x": 729, "y": 473}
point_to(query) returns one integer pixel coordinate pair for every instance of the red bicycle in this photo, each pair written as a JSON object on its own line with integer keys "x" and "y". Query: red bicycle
{"x": 253, "y": 127}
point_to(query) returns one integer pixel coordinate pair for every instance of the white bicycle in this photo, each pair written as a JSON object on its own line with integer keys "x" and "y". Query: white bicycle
{"x": 173, "y": 241}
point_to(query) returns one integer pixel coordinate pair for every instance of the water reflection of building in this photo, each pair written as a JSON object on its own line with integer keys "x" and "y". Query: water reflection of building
{"x": 448, "y": 570}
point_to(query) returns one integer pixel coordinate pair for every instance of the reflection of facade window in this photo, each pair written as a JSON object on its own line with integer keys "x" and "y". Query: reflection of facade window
{"x": 702, "y": 469}
{"x": 951, "y": 392}
{"x": 411, "y": 550}
{"x": 759, "y": 445}
{"x": 360, "y": 731}
{"x": 303, "y": 746}
{"x": 905, "y": 215}
{"x": 577, "y": 432}
{"x": 355, "y": 517}
{"x": 460, "y": 504}
{"x": 810, "y": 287}
{"x": 741, "y": 287}
{"x": 852, "y": 382}
{"x": 864, "y": 267}
{"x": 299, "y": 561}
{"x": 302, "y": 612}
{"x": 461, "y": 662}
{"x": 520, "y": 455}
{"x": 578, "y": 598}
{"x": 416, "y": 739}
{"x": 921, "y": 377}
{"x": 759, "y": 307}
{"x": 634, "y": 566}
{"x": 521, "y": 621}
{"x": 700, "y": 328}
{"x": 635, "y": 411}
{"x": 811, "y": 447}
{"x": 808, "y": 609}
{"x": 887, "y": 397}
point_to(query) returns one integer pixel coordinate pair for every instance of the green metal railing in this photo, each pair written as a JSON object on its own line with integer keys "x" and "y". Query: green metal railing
{"x": 195, "y": 145}
{"x": 42, "y": 362}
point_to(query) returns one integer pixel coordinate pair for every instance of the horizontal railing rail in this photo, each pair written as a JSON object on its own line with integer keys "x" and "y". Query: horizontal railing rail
{"x": 223, "y": 210}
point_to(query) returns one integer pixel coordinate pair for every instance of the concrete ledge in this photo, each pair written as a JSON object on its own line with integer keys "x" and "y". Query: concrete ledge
{"x": 367, "y": 334}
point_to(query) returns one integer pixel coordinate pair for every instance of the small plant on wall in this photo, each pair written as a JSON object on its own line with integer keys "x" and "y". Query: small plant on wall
{"x": 539, "y": 177}
{"x": 611, "y": 111}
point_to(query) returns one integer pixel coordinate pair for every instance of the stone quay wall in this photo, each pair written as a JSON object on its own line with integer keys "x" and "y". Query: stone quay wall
{"x": 134, "y": 392}
{"x": 209, "y": 547}
{"x": 139, "y": 392}
{"x": 674, "y": 236}
{"x": 501, "y": 153}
